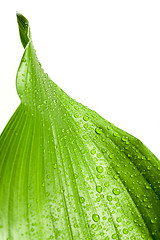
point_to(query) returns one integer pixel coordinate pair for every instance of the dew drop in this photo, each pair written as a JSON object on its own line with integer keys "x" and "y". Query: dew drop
{"x": 99, "y": 189}
{"x": 117, "y": 204}
{"x": 75, "y": 225}
{"x": 76, "y": 115}
{"x": 104, "y": 150}
{"x": 98, "y": 130}
{"x": 133, "y": 238}
{"x": 116, "y": 191}
{"x": 114, "y": 236}
{"x": 93, "y": 226}
{"x": 99, "y": 155}
{"x": 125, "y": 231}
{"x": 29, "y": 205}
{"x": 99, "y": 169}
{"x": 123, "y": 139}
{"x": 85, "y": 118}
{"x": 153, "y": 221}
{"x": 109, "y": 198}
{"x": 109, "y": 219}
{"x": 106, "y": 184}
{"x": 55, "y": 166}
{"x": 115, "y": 177}
{"x": 85, "y": 137}
{"x": 148, "y": 187}
{"x": 82, "y": 199}
{"x": 75, "y": 176}
{"x": 93, "y": 151}
{"x": 95, "y": 217}
{"x": 98, "y": 176}
{"x": 115, "y": 134}
{"x": 118, "y": 219}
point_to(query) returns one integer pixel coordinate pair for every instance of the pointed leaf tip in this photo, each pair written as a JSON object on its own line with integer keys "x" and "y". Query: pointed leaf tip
{"x": 24, "y": 29}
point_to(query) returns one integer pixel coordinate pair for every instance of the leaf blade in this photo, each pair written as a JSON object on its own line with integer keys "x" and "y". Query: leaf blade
{"x": 68, "y": 173}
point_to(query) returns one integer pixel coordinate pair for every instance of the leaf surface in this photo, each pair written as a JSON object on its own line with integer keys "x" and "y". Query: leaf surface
{"x": 67, "y": 173}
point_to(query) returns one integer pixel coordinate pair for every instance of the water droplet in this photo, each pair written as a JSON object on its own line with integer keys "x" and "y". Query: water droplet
{"x": 123, "y": 139}
{"x": 104, "y": 150}
{"x": 125, "y": 230}
{"x": 98, "y": 176}
{"x": 118, "y": 219}
{"x": 55, "y": 166}
{"x": 95, "y": 217}
{"x": 29, "y": 205}
{"x": 99, "y": 169}
{"x": 98, "y": 130}
{"x": 98, "y": 199}
{"x": 93, "y": 226}
{"x": 75, "y": 225}
{"x": 75, "y": 176}
{"x": 153, "y": 220}
{"x": 109, "y": 219}
{"x": 85, "y": 125}
{"x": 117, "y": 204}
{"x": 114, "y": 236}
{"x": 107, "y": 238}
{"x": 115, "y": 134}
{"x": 99, "y": 189}
{"x": 106, "y": 184}
{"x": 109, "y": 198}
{"x": 85, "y": 137}
{"x": 76, "y": 115}
{"x": 82, "y": 199}
{"x": 116, "y": 191}
{"x": 133, "y": 238}
{"x": 99, "y": 155}
{"x": 85, "y": 118}
{"x": 115, "y": 177}
{"x": 148, "y": 187}
{"x": 93, "y": 151}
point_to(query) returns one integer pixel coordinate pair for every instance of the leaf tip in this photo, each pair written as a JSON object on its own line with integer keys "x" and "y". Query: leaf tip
{"x": 24, "y": 29}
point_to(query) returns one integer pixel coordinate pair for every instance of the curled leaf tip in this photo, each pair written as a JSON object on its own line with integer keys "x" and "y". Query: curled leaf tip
{"x": 24, "y": 29}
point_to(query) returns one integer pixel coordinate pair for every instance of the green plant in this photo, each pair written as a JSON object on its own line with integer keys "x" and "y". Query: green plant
{"x": 67, "y": 173}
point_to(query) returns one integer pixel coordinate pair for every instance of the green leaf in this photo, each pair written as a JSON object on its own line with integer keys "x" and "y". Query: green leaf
{"x": 67, "y": 173}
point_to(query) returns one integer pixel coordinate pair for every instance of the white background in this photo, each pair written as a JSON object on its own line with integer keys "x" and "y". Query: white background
{"x": 104, "y": 54}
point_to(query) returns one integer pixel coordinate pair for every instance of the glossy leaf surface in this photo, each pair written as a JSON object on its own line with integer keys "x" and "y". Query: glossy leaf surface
{"x": 67, "y": 173}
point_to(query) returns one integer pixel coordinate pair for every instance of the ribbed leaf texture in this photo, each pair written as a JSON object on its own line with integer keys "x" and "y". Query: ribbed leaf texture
{"x": 67, "y": 173}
